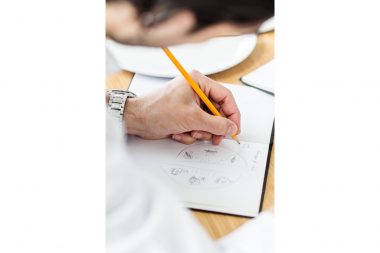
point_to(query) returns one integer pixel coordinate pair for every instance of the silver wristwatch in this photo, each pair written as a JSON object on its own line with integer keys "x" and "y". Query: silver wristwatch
{"x": 117, "y": 102}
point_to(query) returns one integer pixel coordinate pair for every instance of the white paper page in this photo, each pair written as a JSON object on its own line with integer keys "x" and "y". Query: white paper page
{"x": 226, "y": 178}
{"x": 262, "y": 78}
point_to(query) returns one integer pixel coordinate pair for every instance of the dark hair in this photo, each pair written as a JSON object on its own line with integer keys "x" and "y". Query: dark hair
{"x": 207, "y": 12}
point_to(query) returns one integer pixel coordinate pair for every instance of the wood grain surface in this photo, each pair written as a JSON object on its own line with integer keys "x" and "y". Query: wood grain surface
{"x": 217, "y": 224}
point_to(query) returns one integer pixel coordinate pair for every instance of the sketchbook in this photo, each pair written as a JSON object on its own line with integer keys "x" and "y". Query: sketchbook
{"x": 261, "y": 78}
{"x": 227, "y": 178}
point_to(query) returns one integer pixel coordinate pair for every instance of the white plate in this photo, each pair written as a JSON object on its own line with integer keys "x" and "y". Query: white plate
{"x": 208, "y": 57}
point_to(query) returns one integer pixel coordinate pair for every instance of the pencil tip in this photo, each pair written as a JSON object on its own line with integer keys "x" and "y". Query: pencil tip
{"x": 235, "y": 138}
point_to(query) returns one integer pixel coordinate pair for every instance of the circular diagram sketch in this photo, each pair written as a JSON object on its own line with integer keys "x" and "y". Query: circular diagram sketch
{"x": 206, "y": 165}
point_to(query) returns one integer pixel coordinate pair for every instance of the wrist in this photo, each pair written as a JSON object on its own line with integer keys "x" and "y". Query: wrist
{"x": 134, "y": 116}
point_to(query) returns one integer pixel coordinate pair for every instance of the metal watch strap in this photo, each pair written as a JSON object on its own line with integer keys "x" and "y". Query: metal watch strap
{"x": 118, "y": 100}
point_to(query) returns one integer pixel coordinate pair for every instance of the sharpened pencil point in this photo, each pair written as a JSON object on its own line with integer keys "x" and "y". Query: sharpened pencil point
{"x": 236, "y": 138}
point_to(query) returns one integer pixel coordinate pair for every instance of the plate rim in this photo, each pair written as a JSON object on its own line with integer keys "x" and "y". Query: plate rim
{"x": 163, "y": 75}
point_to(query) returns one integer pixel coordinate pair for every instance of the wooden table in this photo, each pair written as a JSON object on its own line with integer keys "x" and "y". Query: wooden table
{"x": 219, "y": 225}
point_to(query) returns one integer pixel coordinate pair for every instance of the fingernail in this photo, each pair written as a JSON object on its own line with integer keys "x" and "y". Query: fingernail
{"x": 196, "y": 135}
{"x": 176, "y": 137}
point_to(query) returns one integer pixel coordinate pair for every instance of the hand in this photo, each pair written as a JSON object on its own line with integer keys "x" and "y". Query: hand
{"x": 177, "y": 111}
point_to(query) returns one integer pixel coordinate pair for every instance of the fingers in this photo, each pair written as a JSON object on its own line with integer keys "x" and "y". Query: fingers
{"x": 196, "y": 124}
{"x": 219, "y": 95}
{"x": 201, "y": 135}
{"x": 191, "y": 137}
{"x": 217, "y": 139}
{"x": 184, "y": 138}
{"x": 215, "y": 125}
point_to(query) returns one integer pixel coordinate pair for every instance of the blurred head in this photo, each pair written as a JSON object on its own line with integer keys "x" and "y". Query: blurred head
{"x": 168, "y": 22}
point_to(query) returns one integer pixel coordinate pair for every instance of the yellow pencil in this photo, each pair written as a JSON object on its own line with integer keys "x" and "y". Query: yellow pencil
{"x": 195, "y": 87}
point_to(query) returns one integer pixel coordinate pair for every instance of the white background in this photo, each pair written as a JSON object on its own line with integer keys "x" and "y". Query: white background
{"x": 52, "y": 126}
{"x": 52, "y": 181}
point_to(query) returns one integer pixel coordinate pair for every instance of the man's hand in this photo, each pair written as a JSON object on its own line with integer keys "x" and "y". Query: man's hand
{"x": 178, "y": 112}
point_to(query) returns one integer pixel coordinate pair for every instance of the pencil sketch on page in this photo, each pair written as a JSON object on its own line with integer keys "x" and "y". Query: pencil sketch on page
{"x": 201, "y": 177}
{"x": 206, "y": 165}
{"x": 206, "y": 153}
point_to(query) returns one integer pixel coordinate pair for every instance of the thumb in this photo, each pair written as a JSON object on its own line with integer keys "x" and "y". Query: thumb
{"x": 216, "y": 125}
